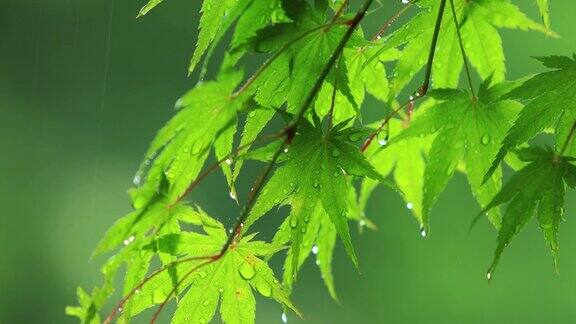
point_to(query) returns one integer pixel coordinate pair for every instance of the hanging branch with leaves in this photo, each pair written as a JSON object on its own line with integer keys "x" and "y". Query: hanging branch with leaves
{"x": 325, "y": 162}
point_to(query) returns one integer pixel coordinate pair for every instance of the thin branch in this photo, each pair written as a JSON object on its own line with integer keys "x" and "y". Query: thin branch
{"x": 423, "y": 90}
{"x": 385, "y": 122}
{"x": 464, "y": 56}
{"x": 123, "y": 301}
{"x": 568, "y": 139}
{"x": 332, "y": 103}
{"x": 279, "y": 52}
{"x": 215, "y": 166}
{"x": 340, "y": 11}
{"x": 159, "y": 309}
{"x": 391, "y": 20}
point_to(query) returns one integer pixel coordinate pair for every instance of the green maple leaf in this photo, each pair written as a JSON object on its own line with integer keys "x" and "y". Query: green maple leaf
{"x": 314, "y": 175}
{"x": 553, "y": 104}
{"x": 307, "y": 43}
{"x": 317, "y": 237}
{"x": 148, "y": 6}
{"x": 179, "y": 150}
{"x": 478, "y": 20}
{"x": 303, "y": 46}
{"x": 544, "y": 8}
{"x": 217, "y": 17}
{"x": 405, "y": 159}
{"x": 536, "y": 190}
{"x": 228, "y": 280}
{"x": 467, "y": 130}
{"x": 133, "y": 236}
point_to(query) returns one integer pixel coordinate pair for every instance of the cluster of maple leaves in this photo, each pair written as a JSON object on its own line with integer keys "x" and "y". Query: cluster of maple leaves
{"x": 318, "y": 165}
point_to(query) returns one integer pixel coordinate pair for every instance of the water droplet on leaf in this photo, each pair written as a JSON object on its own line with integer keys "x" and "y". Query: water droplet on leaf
{"x": 246, "y": 271}
{"x": 264, "y": 288}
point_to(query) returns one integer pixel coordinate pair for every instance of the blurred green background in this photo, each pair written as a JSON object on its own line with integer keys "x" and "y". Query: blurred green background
{"x": 70, "y": 143}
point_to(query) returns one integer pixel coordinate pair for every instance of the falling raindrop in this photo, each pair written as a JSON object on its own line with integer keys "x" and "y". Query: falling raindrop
{"x": 423, "y": 232}
{"x": 137, "y": 179}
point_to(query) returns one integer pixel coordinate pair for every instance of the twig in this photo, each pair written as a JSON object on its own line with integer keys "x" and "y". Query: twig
{"x": 568, "y": 139}
{"x": 423, "y": 90}
{"x": 464, "y": 56}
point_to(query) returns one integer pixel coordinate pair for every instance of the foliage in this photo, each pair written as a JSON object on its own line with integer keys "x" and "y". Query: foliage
{"x": 318, "y": 67}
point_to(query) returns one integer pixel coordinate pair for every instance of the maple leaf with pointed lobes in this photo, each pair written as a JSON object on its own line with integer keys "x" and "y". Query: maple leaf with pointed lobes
{"x": 553, "y": 104}
{"x": 229, "y": 279}
{"x": 179, "y": 150}
{"x": 537, "y": 189}
{"x": 544, "y": 8}
{"x": 132, "y": 237}
{"x": 467, "y": 129}
{"x": 308, "y": 42}
{"x": 478, "y": 20}
{"x": 314, "y": 174}
{"x": 202, "y": 282}
{"x": 148, "y": 6}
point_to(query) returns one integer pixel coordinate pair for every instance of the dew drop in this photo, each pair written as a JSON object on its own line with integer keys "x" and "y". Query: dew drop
{"x": 405, "y": 1}
{"x": 120, "y": 309}
{"x": 286, "y": 150}
{"x": 489, "y": 275}
{"x": 264, "y": 288}
{"x": 485, "y": 139}
{"x": 129, "y": 240}
{"x": 206, "y": 302}
{"x": 293, "y": 221}
{"x": 229, "y": 161}
{"x": 284, "y": 318}
{"x": 354, "y": 137}
{"x": 232, "y": 195}
{"x": 246, "y": 271}
{"x": 409, "y": 205}
{"x": 315, "y": 249}
{"x": 316, "y": 183}
{"x": 336, "y": 174}
{"x": 336, "y": 152}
